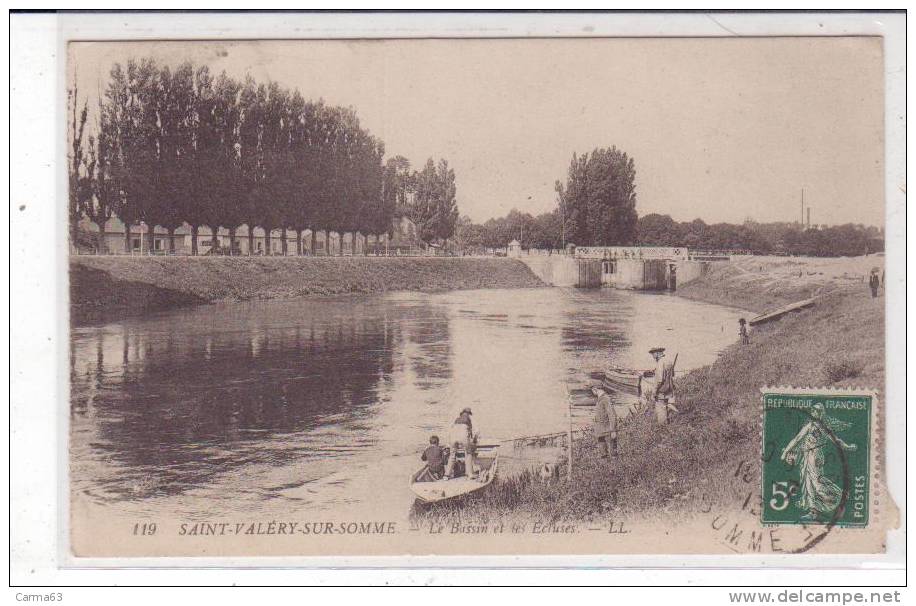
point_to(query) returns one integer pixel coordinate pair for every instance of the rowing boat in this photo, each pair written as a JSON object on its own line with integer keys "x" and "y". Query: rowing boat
{"x": 437, "y": 491}
{"x": 623, "y": 380}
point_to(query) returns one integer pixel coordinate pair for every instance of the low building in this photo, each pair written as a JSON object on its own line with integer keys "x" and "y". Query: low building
{"x": 636, "y": 267}
{"x": 514, "y": 249}
{"x": 140, "y": 240}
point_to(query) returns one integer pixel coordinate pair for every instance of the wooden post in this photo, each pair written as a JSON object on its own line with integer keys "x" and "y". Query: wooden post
{"x": 569, "y": 437}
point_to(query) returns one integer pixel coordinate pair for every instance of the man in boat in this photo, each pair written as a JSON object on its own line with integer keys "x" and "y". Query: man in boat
{"x": 605, "y": 423}
{"x": 434, "y": 455}
{"x": 460, "y": 434}
{"x": 661, "y": 391}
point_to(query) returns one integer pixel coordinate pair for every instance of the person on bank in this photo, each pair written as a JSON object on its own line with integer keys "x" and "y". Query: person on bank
{"x": 661, "y": 391}
{"x": 874, "y": 282}
{"x": 434, "y": 455}
{"x": 461, "y": 436}
{"x": 742, "y": 331}
{"x": 604, "y": 423}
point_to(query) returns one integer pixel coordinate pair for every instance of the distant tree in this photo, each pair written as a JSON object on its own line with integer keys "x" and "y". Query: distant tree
{"x": 395, "y": 186}
{"x": 598, "y": 201}
{"x": 432, "y": 205}
{"x": 366, "y": 210}
{"x": 127, "y": 163}
{"x": 573, "y": 201}
{"x": 230, "y": 196}
{"x": 208, "y": 178}
{"x": 106, "y": 190}
{"x": 424, "y": 203}
{"x": 695, "y": 234}
{"x": 302, "y": 169}
{"x": 547, "y": 231}
{"x": 611, "y": 198}
{"x": 251, "y": 155}
{"x": 446, "y": 215}
{"x": 465, "y": 236}
{"x": 275, "y": 190}
{"x": 315, "y": 162}
{"x": 80, "y": 165}
{"x": 379, "y": 208}
{"x": 400, "y": 181}
{"x": 658, "y": 230}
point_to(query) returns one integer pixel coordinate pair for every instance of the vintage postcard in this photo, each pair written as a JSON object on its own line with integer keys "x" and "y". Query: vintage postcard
{"x": 477, "y": 297}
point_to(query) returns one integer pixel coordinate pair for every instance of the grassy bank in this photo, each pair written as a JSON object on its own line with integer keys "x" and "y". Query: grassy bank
{"x": 763, "y": 283}
{"x": 690, "y": 464}
{"x": 104, "y": 288}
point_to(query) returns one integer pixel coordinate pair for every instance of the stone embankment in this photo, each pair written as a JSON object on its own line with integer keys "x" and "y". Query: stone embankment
{"x": 108, "y": 287}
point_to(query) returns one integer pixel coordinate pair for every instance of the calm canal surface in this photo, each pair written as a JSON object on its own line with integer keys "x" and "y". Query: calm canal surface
{"x": 288, "y": 407}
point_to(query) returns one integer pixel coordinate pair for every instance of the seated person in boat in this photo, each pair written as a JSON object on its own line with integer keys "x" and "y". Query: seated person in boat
{"x": 434, "y": 455}
{"x": 460, "y": 436}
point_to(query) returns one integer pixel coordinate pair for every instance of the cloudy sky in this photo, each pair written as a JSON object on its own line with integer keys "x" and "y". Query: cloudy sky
{"x": 720, "y": 129}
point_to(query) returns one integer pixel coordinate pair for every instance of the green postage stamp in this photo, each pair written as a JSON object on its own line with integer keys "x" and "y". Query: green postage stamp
{"x": 817, "y": 449}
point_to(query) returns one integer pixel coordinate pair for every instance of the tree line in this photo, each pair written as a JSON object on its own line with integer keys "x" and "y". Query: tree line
{"x": 173, "y": 146}
{"x": 761, "y": 238}
{"x": 596, "y": 206}
{"x": 545, "y": 231}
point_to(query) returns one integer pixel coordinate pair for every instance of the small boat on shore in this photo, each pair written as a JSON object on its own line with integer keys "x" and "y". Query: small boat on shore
{"x": 623, "y": 380}
{"x": 781, "y": 311}
{"x": 437, "y": 491}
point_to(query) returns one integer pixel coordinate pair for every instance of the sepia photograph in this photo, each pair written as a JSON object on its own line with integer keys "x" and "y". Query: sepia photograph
{"x": 476, "y": 296}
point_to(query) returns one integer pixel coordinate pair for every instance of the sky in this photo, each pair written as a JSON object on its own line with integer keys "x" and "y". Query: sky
{"x": 721, "y": 129}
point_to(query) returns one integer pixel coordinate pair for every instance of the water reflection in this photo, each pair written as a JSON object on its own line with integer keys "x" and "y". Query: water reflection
{"x": 323, "y": 404}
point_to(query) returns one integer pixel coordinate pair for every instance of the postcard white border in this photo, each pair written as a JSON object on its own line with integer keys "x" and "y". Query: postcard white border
{"x": 39, "y": 406}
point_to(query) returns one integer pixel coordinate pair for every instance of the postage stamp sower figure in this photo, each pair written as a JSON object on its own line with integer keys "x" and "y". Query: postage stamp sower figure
{"x": 816, "y": 458}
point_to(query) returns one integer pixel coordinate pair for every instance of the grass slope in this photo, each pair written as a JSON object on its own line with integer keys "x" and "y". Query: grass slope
{"x": 690, "y": 463}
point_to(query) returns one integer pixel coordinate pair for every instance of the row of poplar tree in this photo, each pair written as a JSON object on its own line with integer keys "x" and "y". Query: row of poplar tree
{"x": 184, "y": 146}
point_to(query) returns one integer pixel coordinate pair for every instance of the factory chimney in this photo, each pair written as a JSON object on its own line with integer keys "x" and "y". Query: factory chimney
{"x": 802, "y": 221}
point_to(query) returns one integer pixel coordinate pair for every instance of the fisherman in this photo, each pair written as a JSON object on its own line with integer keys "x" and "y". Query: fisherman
{"x": 605, "y": 423}
{"x": 742, "y": 331}
{"x": 434, "y": 455}
{"x": 874, "y": 282}
{"x": 461, "y": 435}
{"x": 662, "y": 391}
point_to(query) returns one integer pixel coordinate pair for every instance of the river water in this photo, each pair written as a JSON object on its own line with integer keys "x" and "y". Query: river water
{"x": 284, "y": 407}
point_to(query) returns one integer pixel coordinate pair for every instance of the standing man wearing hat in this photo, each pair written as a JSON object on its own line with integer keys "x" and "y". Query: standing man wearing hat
{"x": 460, "y": 434}
{"x": 662, "y": 391}
{"x": 604, "y": 423}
